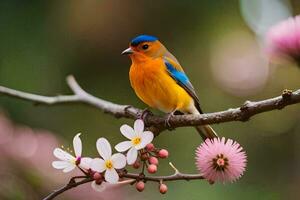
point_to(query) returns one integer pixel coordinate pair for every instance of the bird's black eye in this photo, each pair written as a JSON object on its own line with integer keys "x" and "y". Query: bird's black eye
{"x": 145, "y": 46}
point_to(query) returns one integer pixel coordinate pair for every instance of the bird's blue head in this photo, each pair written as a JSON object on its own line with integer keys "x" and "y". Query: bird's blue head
{"x": 144, "y": 46}
{"x": 141, "y": 39}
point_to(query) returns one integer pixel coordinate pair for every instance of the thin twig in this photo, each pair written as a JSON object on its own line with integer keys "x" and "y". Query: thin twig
{"x": 174, "y": 177}
{"x": 157, "y": 123}
{"x": 69, "y": 186}
{"x": 173, "y": 167}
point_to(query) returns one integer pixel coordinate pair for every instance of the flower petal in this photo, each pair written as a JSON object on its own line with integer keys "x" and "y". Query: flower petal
{"x": 118, "y": 160}
{"x": 146, "y": 138}
{"x": 131, "y": 156}
{"x": 69, "y": 168}
{"x": 111, "y": 176}
{"x": 104, "y": 148}
{"x": 138, "y": 126}
{"x": 62, "y": 155}
{"x": 98, "y": 165}
{"x": 60, "y": 164}
{"x": 127, "y": 131}
{"x": 77, "y": 145}
{"x": 97, "y": 187}
{"x": 85, "y": 163}
{"x": 123, "y": 146}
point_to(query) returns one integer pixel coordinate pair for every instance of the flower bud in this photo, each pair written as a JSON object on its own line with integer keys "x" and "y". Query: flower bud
{"x": 150, "y": 147}
{"x": 153, "y": 160}
{"x": 163, "y": 153}
{"x": 152, "y": 169}
{"x": 140, "y": 186}
{"x": 136, "y": 165}
{"x": 99, "y": 181}
{"x": 97, "y": 176}
{"x": 144, "y": 156}
{"x": 163, "y": 188}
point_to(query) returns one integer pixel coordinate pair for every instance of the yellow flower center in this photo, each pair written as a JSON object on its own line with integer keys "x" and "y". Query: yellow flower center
{"x": 108, "y": 164}
{"x": 135, "y": 141}
{"x": 73, "y": 161}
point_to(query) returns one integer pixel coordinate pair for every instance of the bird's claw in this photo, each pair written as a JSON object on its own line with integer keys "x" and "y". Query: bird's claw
{"x": 144, "y": 114}
{"x": 167, "y": 121}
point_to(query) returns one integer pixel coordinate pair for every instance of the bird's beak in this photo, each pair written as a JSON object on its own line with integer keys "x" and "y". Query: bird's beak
{"x": 127, "y": 51}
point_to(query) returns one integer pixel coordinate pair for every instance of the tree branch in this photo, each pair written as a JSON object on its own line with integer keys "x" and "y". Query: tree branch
{"x": 69, "y": 186}
{"x": 174, "y": 177}
{"x": 157, "y": 123}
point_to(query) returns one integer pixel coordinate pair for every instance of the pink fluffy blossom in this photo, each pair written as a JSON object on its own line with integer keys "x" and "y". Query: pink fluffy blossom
{"x": 220, "y": 160}
{"x": 283, "y": 39}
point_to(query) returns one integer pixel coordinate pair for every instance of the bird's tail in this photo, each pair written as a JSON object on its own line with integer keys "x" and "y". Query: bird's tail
{"x": 206, "y": 131}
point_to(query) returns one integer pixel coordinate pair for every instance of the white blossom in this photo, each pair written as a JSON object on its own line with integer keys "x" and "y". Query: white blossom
{"x": 67, "y": 162}
{"x": 108, "y": 163}
{"x": 138, "y": 139}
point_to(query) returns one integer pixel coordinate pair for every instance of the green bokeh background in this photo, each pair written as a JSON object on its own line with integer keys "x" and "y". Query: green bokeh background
{"x": 41, "y": 42}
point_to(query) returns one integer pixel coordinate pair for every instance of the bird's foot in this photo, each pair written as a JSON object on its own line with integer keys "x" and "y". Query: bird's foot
{"x": 168, "y": 118}
{"x": 144, "y": 114}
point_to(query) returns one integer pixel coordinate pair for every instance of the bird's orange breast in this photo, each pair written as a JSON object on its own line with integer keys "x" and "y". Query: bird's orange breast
{"x": 155, "y": 87}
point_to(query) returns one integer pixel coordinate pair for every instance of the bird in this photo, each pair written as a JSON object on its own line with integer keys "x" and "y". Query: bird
{"x": 159, "y": 81}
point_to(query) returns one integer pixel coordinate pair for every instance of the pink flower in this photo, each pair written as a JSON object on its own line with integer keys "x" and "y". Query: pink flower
{"x": 220, "y": 160}
{"x": 283, "y": 39}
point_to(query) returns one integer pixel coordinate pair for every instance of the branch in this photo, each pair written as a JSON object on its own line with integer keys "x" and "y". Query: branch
{"x": 79, "y": 96}
{"x": 174, "y": 177}
{"x": 69, "y": 186}
{"x": 157, "y": 123}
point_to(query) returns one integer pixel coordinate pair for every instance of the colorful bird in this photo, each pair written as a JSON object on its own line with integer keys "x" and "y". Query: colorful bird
{"x": 159, "y": 80}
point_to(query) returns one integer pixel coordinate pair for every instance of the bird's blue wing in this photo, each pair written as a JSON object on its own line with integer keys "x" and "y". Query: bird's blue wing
{"x": 177, "y": 73}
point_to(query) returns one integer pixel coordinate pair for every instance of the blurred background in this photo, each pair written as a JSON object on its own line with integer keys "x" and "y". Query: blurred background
{"x": 220, "y": 45}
